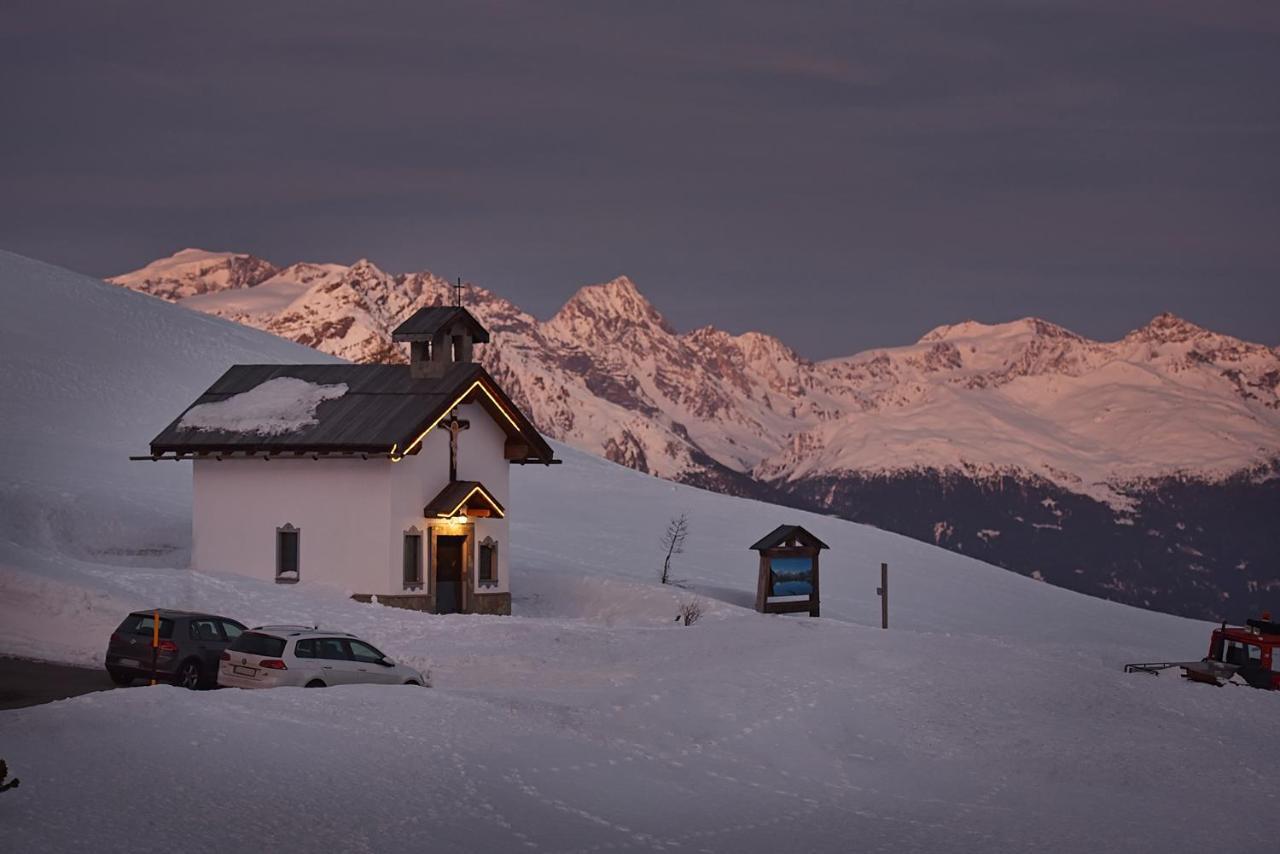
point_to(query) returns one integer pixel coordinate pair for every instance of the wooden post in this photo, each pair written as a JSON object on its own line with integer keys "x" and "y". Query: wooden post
{"x": 762, "y": 583}
{"x": 883, "y": 592}
{"x": 155, "y": 643}
{"x": 814, "y": 596}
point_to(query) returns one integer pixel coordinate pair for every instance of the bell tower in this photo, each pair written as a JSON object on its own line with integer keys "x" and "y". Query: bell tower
{"x": 439, "y": 337}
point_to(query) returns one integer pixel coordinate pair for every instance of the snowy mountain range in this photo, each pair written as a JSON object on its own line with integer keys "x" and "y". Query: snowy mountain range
{"x": 1144, "y": 469}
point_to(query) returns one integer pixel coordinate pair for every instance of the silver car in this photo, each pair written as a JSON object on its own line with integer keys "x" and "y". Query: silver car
{"x": 307, "y": 657}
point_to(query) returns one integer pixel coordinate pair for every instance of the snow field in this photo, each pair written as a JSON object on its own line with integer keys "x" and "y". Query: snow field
{"x": 743, "y": 733}
{"x": 992, "y": 716}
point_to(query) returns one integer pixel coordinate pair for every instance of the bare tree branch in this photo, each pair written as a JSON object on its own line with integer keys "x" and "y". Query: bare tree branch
{"x": 673, "y": 543}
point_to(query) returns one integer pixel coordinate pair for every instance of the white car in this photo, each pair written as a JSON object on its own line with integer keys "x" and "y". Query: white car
{"x": 307, "y": 657}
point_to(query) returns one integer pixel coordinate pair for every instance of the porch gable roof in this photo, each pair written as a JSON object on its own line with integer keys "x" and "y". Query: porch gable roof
{"x": 470, "y": 494}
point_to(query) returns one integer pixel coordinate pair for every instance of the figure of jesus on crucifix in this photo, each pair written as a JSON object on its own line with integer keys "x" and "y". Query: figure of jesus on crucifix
{"x": 455, "y": 426}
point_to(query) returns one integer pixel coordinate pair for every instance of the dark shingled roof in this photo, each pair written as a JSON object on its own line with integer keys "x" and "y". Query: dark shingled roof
{"x": 424, "y": 323}
{"x": 384, "y": 408}
{"x": 455, "y": 494}
{"x": 783, "y": 533}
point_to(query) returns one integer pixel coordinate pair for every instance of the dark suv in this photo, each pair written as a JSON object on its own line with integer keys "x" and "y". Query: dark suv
{"x": 189, "y": 650}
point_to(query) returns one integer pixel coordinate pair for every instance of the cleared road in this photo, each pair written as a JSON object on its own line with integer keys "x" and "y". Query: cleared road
{"x": 30, "y": 683}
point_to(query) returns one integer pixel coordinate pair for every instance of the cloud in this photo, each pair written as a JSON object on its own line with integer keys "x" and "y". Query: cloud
{"x": 951, "y": 156}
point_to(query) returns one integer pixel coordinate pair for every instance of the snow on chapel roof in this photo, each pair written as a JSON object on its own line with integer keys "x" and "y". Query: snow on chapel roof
{"x": 281, "y": 405}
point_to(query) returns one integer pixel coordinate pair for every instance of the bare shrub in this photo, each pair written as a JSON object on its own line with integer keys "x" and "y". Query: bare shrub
{"x": 690, "y": 612}
{"x": 5, "y": 782}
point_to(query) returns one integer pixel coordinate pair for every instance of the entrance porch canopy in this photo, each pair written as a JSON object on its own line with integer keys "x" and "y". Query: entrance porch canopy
{"x": 463, "y": 495}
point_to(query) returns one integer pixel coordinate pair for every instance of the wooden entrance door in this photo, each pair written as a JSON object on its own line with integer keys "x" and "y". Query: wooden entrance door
{"x": 448, "y": 569}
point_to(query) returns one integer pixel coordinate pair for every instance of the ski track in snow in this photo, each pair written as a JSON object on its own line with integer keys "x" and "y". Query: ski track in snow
{"x": 993, "y": 716}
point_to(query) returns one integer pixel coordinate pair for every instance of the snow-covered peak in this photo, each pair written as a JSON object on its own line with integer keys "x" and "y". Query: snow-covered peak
{"x": 708, "y": 336}
{"x": 364, "y": 268}
{"x": 1192, "y": 351}
{"x": 305, "y": 273}
{"x": 1169, "y": 328}
{"x": 608, "y": 310}
{"x": 963, "y": 329}
{"x": 755, "y": 346}
{"x": 190, "y": 272}
{"x": 193, "y": 255}
{"x": 759, "y": 346}
{"x": 971, "y": 329}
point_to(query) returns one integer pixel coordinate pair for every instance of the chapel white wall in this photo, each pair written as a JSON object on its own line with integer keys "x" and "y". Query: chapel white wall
{"x": 339, "y": 507}
{"x": 351, "y": 514}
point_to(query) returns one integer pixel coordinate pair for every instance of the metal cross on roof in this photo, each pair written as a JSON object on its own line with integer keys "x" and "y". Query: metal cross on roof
{"x": 457, "y": 293}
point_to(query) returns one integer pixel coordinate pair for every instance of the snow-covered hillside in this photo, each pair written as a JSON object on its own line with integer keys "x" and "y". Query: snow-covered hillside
{"x": 87, "y": 368}
{"x": 993, "y": 716}
{"x": 1056, "y": 439}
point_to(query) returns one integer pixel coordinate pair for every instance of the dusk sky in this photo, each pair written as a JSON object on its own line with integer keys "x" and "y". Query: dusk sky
{"x": 840, "y": 175}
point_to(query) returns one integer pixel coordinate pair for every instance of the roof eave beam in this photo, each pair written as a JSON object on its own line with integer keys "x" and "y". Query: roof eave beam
{"x": 180, "y": 456}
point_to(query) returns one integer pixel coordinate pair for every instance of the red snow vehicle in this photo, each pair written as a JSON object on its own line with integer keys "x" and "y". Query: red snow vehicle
{"x": 1251, "y": 651}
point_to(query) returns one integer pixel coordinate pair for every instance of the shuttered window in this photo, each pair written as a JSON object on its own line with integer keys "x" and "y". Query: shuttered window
{"x": 488, "y": 562}
{"x": 287, "y": 554}
{"x": 412, "y": 560}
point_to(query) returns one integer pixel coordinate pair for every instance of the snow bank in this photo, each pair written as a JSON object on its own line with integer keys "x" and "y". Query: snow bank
{"x": 744, "y": 735}
{"x": 277, "y": 406}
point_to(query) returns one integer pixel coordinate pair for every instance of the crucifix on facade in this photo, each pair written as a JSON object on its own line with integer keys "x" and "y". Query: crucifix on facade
{"x": 455, "y": 426}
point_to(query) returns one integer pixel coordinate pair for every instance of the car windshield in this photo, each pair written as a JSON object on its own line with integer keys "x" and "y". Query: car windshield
{"x": 361, "y": 651}
{"x": 144, "y": 624}
{"x": 254, "y": 643}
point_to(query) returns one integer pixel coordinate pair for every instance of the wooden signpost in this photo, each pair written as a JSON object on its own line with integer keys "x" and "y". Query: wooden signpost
{"x": 788, "y": 580}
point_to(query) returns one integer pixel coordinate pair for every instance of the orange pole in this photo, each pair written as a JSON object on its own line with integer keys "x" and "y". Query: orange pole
{"x": 155, "y": 642}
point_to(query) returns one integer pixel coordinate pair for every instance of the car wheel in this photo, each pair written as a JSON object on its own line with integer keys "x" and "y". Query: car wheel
{"x": 188, "y": 675}
{"x": 122, "y": 679}
{"x": 315, "y": 683}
